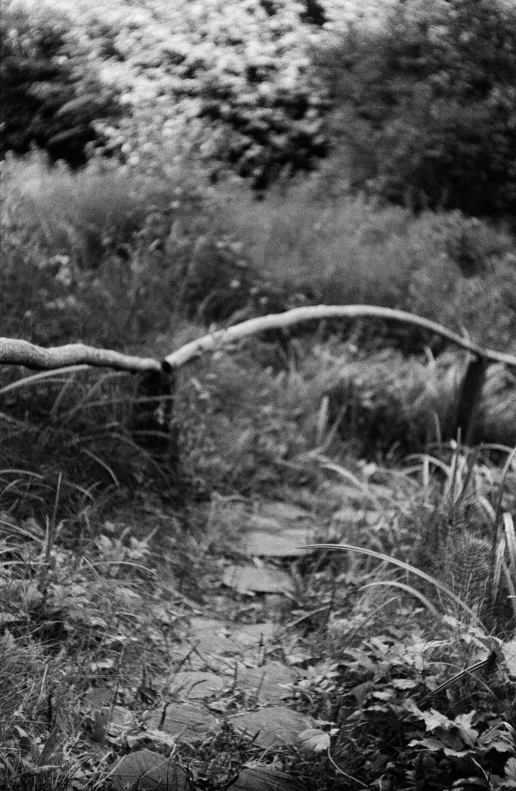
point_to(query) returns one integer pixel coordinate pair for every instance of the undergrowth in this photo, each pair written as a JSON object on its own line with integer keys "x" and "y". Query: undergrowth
{"x": 92, "y": 627}
{"x": 116, "y": 257}
{"x": 108, "y": 549}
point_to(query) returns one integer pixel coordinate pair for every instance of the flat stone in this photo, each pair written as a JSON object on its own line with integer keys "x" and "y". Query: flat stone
{"x": 253, "y": 579}
{"x": 196, "y": 685}
{"x": 286, "y": 544}
{"x": 263, "y": 778}
{"x": 255, "y": 635}
{"x": 148, "y": 771}
{"x": 272, "y": 726}
{"x": 211, "y": 637}
{"x": 269, "y": 683}
{"x": 183, "y": 720}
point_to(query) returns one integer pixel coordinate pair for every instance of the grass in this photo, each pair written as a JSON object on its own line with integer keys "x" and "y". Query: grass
{"x": 108, "y": 553}
{"x": 77, "y": 246}
{"x": 348, "y": 250}
{"x": 77, "y": 429}
{"x": 376, "y": 644}
{"x": 66, "y": 624}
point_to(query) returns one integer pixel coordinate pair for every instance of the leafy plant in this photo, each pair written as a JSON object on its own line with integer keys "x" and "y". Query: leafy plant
{"x": 51, "y": 95}
{"x": 420, "y": 100}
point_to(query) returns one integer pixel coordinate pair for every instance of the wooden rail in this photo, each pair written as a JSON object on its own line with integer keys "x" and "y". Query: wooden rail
{"x": 19, "y": 352}
{"x": 158, "y": 376}
{"x": 275, "y": 321}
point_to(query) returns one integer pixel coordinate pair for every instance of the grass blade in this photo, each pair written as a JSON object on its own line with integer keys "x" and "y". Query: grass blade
{"x": 406, "y": 567}
{"x": 408, "y": 589}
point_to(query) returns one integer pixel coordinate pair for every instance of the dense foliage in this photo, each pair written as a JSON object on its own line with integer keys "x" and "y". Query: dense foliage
{"x": 157, "y": 597}
{"x": 51, "y": 95}
{"x": 232, "y": 81}
{"x": 416, "y": 100}
{"x": 426, "y": 105}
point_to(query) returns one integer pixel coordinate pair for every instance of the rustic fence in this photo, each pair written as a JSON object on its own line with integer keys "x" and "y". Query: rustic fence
{"x": 158, "y": 377}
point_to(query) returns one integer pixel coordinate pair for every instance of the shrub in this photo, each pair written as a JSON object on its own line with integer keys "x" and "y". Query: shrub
{"x": 230, "y": 80}
{"x": 51, "y": 95}
{"x": 115, "y": 257}
{"x": 251, "y": 89}
{"x": 350, "y": 250}
{"x": 424, "y": 106}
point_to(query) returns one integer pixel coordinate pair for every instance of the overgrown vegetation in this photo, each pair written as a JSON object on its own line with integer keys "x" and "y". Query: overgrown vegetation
{"x": 51, "y": 95}
{"x": 420, "y": 100}
{"x": 160, "y": 626}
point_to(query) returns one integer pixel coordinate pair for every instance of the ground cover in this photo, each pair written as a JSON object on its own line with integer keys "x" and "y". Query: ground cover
{"x": 160, "y": 625}
{"x": 315, "y": 590}
{"x": 156, "y": 650}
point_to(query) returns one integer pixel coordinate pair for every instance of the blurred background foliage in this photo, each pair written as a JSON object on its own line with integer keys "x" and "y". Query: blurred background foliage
{"x": 51, "y": 94}
{"x": 170, "y": 166}
{"x": 412, "y": 101}
{"x": 424, "y": 108}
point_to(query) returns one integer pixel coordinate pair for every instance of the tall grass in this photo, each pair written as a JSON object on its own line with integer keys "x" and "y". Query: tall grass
{"x": 75, "y": 214}
{"x": 127, "y": 260}
{"x": 446, "y": 267}
{"x": 453, "y": 538}
{"x": 113, "y": 256}
{"x": 73, "y": 433}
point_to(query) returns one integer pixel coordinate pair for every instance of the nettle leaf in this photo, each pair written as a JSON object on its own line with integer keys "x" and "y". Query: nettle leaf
{"x": 509, "y": 653}
{"x": 430, "y": 742}
{"x": 384, "y": 694}
{"x": 500, "y": 737}
{"x": 434, "y": 744}
{"x": 468, "y": 783}
{"x": 467, "y": 732}
{"x": 501, "y": 746}
{"x": 315, "y": 740}
{"x": 361, "y": 692}
{"x": 452, "y": 743}
{"x": 434, "y": 719}
{"x": 451, "y": 739}
{"x": 510, "y": 770}
{"x": 403, "y": 683}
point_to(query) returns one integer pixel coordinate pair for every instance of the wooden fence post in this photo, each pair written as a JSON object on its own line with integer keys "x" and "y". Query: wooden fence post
{"x": 154, "y": 426}
{"x": 469, "y": 397}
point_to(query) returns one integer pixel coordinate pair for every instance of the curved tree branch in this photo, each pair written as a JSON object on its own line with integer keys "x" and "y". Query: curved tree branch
{"x": 278, "y": 320}
{"x": 17, "y": 352}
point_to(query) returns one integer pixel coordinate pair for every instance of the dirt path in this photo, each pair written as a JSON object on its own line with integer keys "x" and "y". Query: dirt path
{"x": 230, "y": 689}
